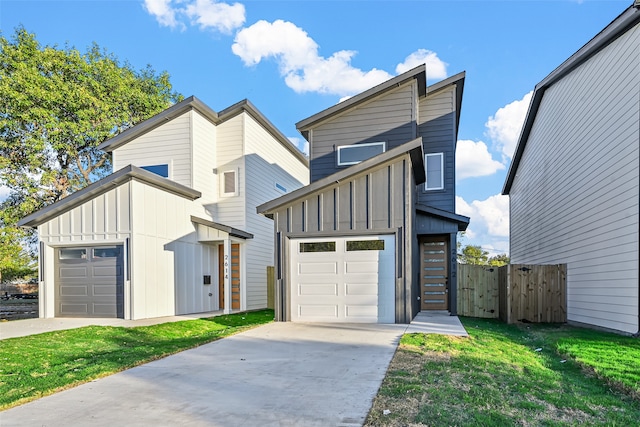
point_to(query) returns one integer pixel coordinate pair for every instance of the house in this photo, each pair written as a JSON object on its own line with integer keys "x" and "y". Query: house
{"x": 174, "y": 230}
{"x": 573, "y": 184}
{"x": 372, "y": 238}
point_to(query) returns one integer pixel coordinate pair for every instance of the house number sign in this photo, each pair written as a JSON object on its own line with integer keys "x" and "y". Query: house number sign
{"x": 226, "y": 266}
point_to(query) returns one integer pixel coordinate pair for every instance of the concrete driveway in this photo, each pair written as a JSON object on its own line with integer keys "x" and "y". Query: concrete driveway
{"x": 279, "y": 374}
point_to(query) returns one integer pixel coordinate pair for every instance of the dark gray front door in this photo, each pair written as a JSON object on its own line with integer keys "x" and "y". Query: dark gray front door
{"x": 89, "y": 281}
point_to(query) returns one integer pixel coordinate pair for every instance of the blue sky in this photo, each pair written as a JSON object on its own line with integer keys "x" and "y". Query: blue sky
{"x": 292, "y": 59}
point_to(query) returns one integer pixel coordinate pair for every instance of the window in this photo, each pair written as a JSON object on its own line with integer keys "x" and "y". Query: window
{"x": 281, "y": 187}
{"x": 433, "y": 164}
{"x": 162, "y": 170}
{"x": 354, "y": 154}
{"x": 318, "y": 247}
{"x": 365, "y": 245}
{"x": 229, "y": 184}
{"x": 72, "y": 254}
{"x": 106, "y": 252}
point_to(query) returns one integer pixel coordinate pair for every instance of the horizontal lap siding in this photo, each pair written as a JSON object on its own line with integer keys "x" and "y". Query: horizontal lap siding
{"x": 575, "y": 196}
{"x": 204, "y": 159}
{"x": 229, "y": 152}
{"x": 267, "y": 162}
{"x": 168, "y": 144}
{"x": 436, "y": 126}
{"x": 388, "y": 118}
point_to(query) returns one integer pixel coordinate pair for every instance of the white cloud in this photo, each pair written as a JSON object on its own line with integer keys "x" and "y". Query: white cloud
{"x": 4, "y": 192}
{"x": 436, "y": 68}
{"x": 489, "y": 223}
{"x": 473, "y": 160}
{"x": 218, "y": 16}
{"x": 207, "y": 14}
{"x": 505, "y": 126}
{"x": 303, "y": 69}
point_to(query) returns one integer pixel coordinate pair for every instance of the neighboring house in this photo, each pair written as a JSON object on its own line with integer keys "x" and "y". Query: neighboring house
{"x": 573, "y": 184}
{"x": 174, "y": 230}
{"x": 373, "y": 237}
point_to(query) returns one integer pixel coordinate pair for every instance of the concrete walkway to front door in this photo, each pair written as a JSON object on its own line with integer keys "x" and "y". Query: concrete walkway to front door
{"x": 279, "y": 374}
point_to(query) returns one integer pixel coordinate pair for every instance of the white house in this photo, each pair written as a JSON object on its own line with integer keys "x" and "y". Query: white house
{"x": 573, "y": 184}
{"x": 174, "y": 230}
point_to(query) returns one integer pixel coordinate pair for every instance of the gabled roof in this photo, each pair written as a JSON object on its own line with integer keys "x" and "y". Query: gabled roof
{"x": 461, "y": 220}
{"x": 413, "y": 148}
{"x": 418, "y": 73}
{"x": 625, "y": 21}
{"x": 122, "y": 176}
{"x": 193, "y": 103}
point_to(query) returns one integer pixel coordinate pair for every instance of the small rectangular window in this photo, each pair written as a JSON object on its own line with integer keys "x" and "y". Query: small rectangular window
{"x": 106, "y": 252}
{"x": 365, "y": 245}
{"x": 162, "y": 170}
{"x": 281, "y": 187}
{"x": 434, "y": 168}
{"x": 318, "y": 247}
{"x": 354, "y": 154}
{"x": 72, "y": 253}
{"x": 229, "y": 183}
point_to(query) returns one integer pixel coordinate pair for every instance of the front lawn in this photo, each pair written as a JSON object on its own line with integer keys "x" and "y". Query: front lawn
{"x": 38, "y": 365}
{"x": 511, "y": 375}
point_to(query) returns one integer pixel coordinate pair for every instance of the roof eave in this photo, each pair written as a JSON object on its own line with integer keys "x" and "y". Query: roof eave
{"x": 626, "y": 20}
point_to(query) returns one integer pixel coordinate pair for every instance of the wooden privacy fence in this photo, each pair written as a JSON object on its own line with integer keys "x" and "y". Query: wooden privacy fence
{"x": 515, "y": 292}
{"x": 271, "y": 287}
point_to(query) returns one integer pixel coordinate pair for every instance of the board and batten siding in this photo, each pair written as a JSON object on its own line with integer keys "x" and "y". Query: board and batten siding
{"x": 267, "y": 163}
{"x": 167, "y": 262}
{"x": 575, "y": 196}
{"x": 377, "y": 201}
{"x": 389, "y": 117}
{"x": 169, "y": 144}
{"x": 104, "y": 219}
{"x": 437, "y": 127}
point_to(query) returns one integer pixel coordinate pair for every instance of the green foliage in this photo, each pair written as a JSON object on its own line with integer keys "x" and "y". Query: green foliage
{"x": 511, "y": 375}
{"x": 38, "y": 365}
{"x": 475, "y": 255}
{"x": 499, "y": 260}
{"x": 57, "y": 105}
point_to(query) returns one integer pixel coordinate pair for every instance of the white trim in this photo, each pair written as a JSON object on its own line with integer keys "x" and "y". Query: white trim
{"x": 426, "y": 183}
{"x": 342, "y": 147}
{"x": 223, "y": 193}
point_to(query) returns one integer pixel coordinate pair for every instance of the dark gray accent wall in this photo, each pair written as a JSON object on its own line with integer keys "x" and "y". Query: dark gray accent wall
{"x": 389, "y": 118}
{"x": 379, "y": 200}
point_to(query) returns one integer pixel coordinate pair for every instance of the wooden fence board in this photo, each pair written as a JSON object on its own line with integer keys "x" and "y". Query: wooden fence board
{"x": 271, "y": 287}
{"x": 515, "y": 292}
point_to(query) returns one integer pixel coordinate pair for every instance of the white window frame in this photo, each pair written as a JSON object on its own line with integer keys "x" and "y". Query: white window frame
{"x": 341, "y": 147}
{"x": 426, "y": 183}
{"x": 223, "y": 183}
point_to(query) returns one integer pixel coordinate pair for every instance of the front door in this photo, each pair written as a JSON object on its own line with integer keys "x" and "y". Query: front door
{"x": 434, "y": 276}
{"x": 234, "y": 275}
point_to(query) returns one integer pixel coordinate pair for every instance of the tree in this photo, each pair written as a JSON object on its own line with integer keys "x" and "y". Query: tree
{"x": 56, "y": 106}
{"x": 473, "y": 255}
{"x": 499, "y": 260}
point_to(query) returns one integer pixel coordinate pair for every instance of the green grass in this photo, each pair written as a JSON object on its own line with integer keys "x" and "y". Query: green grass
{"x": 508, "y": 375}
{"x": 39, "y": 365}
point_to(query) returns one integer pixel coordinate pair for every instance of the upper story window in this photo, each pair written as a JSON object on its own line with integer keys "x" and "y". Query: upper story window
{"x": 280, "y": 187}
{"x": 354, "y": 154}
{"x": 229, "y": 183}
{"x": 162, "y": 170}
{"x": 434, "y": 168}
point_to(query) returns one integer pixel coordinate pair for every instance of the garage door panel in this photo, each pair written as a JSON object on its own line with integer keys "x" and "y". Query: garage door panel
{"x": 315, "y": 311}
{"x": 350, "y": 281}
{"x": 317, "y": 268}
{"x": 318, "y": 289}
{"x": 90, "y": 286}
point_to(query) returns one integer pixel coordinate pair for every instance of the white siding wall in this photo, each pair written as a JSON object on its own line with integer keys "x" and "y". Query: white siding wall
{"x": 204, "y": 163}
{"x": 168, "y": 144}
{"x": 229, "y": 153}
{"x": 167, "y": 261}
{"x": 106, "y": 218}
{"x": 267, "y": 162}
{"x": 575, "y": 196}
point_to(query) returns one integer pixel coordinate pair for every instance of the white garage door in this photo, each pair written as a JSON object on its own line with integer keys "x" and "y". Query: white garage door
{"x": 344, "y": 279}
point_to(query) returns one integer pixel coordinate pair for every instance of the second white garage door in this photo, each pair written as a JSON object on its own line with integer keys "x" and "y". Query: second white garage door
{"x": 343, "y": 279}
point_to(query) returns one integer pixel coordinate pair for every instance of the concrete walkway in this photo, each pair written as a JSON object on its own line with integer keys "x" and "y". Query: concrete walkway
{"x": 279, "y": 374}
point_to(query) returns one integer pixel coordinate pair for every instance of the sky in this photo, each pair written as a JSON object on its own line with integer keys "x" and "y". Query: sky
{"x": 293, "y": 59}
